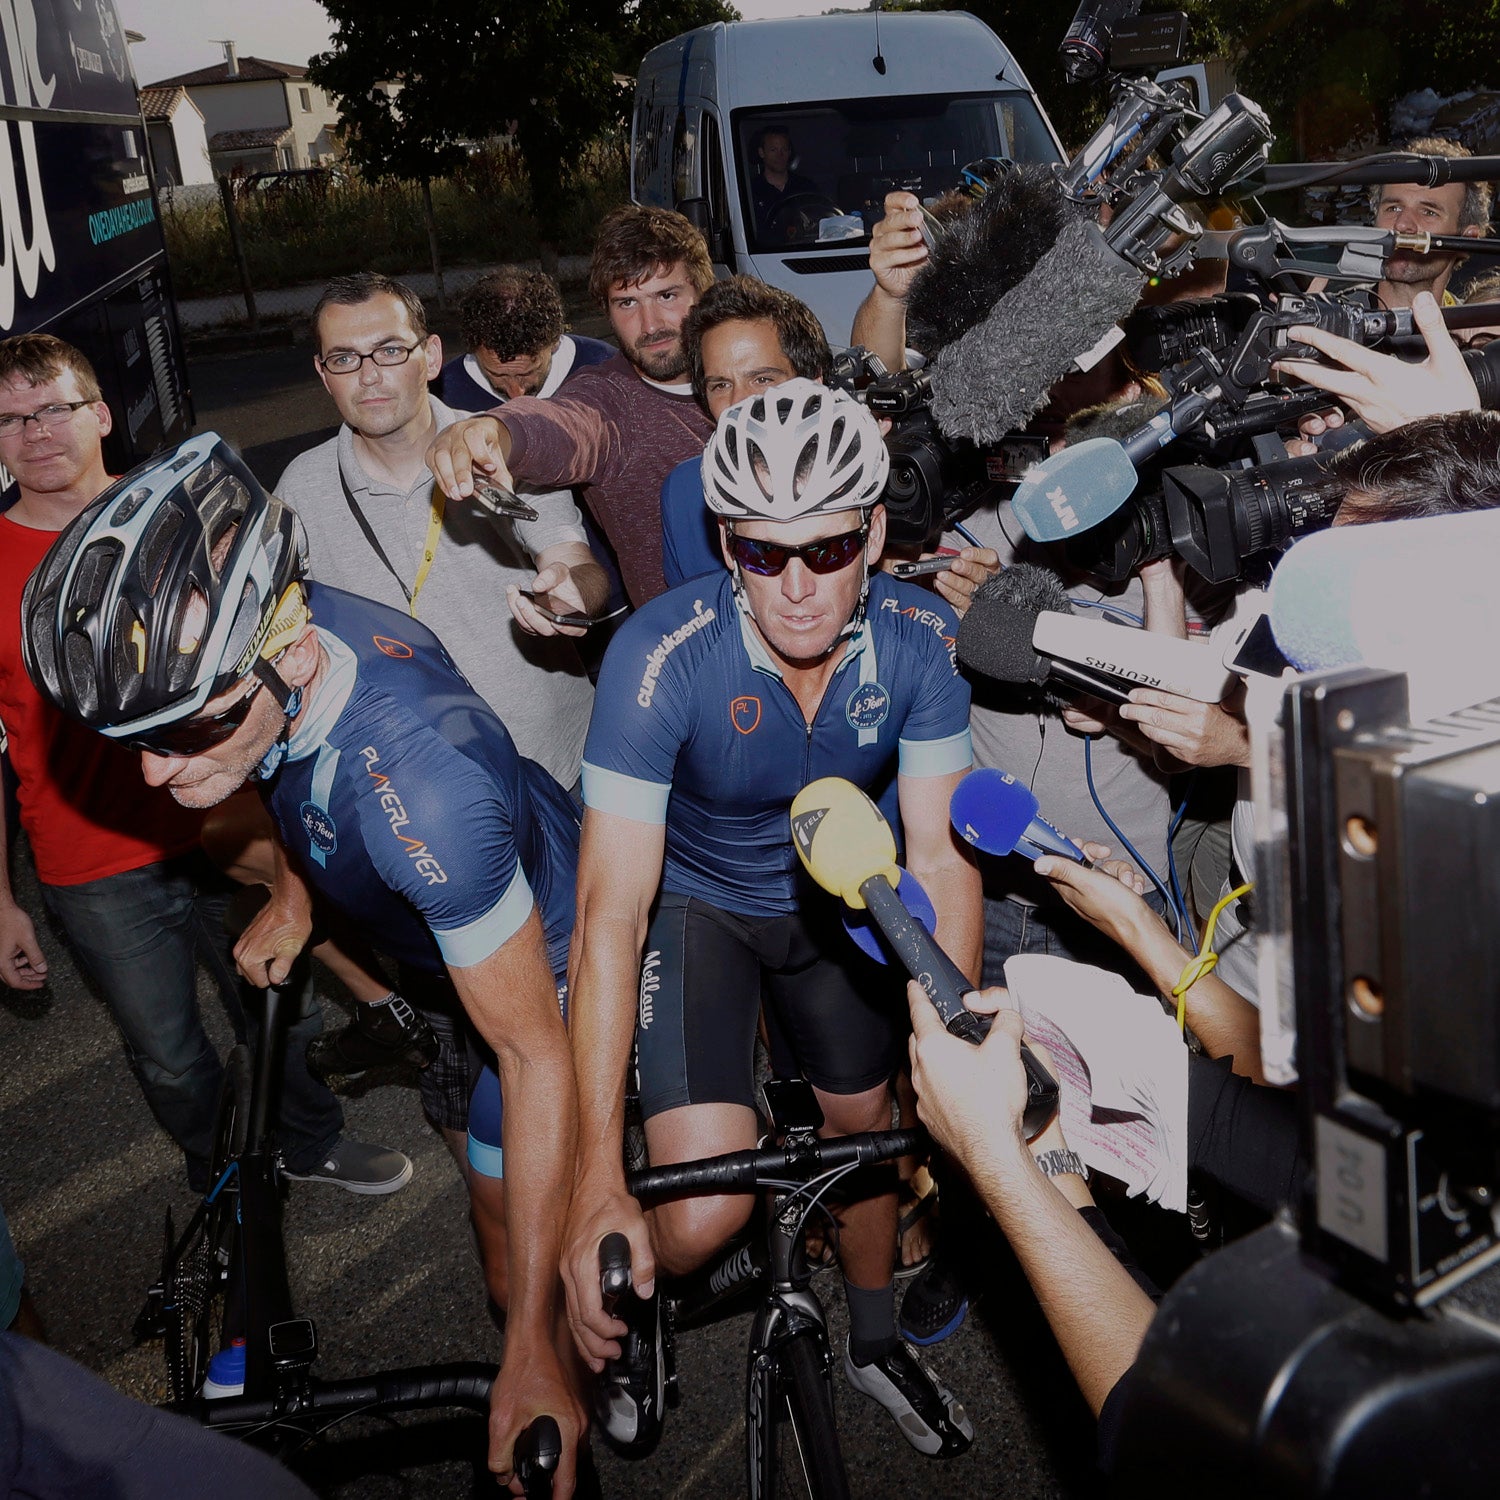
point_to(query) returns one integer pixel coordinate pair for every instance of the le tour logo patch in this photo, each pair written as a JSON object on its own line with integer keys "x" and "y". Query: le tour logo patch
{"x": 868, "y": 706}
{"x": 322, "y": 831}
{"x": 399, "y": 649}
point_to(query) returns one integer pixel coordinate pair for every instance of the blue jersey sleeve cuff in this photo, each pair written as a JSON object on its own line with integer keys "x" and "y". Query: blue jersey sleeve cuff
{"x": 624, "y": 796}
{"x": 462, "y": 947}
{"x": 937, "y": 757}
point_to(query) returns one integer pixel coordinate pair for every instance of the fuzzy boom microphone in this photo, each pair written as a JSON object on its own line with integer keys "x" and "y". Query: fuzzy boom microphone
{"x": 1053, "y": 289}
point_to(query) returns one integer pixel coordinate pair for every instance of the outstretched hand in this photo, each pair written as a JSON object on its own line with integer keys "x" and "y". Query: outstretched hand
{"x": 1384, "y": 391}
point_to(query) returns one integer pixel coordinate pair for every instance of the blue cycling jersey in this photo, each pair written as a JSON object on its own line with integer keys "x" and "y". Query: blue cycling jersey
{"x": 694, "y": 728}
{"x": 408, "y": 806}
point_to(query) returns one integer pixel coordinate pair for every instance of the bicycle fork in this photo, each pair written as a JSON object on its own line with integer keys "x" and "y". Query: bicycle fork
{"x": 785, "y": 1313}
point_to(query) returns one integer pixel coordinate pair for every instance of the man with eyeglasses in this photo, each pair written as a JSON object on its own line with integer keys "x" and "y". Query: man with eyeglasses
{"x": 379, "y": 527}
{"x": 717, "y": 703}
{"x": 119, "y": 863}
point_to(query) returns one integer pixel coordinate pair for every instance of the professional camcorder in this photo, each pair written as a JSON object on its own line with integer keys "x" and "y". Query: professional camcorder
{"x": 934, "y": 480}
{"x": 1226, "y": 524}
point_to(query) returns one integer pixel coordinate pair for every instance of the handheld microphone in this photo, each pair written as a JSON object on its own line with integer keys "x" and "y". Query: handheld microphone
{"x": 1074, "y": 490}
{"x": 848, "y": 848}
{"x": 1133, "y": 658}
{"x": 995, "y": 637}
{"x": 998, "y": 814}
{"x": 860, "y": 925}
{"x": 1404, "y": 595}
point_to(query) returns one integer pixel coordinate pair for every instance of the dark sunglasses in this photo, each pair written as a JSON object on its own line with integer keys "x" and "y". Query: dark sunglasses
{"x": 769, "y": 559}
{"x": 194, "y": 736}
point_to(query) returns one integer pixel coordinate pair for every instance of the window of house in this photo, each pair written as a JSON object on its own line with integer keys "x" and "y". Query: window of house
{"x": 306, "y": 100}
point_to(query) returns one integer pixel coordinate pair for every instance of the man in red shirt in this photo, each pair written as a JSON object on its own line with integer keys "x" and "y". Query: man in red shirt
{"x": 119, "y": 862}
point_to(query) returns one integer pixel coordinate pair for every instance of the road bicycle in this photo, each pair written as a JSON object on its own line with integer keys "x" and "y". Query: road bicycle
{"x": 791, "y": 1435}
{"x": 240, "y": 1359}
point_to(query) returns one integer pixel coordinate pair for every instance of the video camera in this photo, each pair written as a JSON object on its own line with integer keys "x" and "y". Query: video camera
{"x": 934, "y": 480}
{"x": 1226, "y": 524}
{"x": 1354, "y": 1348}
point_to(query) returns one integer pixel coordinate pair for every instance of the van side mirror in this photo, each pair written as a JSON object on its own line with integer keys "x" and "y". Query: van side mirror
{"x": 720, "y": 244}
{"x": 695, "y": 211}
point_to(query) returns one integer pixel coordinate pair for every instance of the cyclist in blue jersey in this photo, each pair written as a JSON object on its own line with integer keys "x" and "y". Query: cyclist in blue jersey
{"x": 172, "y": 616}
{"x": 717, "y": 703}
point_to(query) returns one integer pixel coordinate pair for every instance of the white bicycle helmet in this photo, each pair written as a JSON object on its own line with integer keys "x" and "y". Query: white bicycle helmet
{"x": 103, "y": 617}
{"x": 799, "y": 449}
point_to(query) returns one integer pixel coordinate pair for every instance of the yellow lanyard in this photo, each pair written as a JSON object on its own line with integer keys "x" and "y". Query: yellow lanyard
{"x": 429, "y": 548}
{"x": 436, "y": 503}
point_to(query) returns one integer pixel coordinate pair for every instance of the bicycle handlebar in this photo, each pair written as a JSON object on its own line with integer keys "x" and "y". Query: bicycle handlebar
{"x": 464, "y": 1383}
{"x": 744, "y": 1171}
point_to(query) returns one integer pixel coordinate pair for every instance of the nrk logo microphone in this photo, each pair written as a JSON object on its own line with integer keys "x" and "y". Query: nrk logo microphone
{"x": 1062, "y": 508}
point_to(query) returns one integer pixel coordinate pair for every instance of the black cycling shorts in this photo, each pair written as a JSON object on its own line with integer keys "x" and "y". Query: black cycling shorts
{"x": 835, "y": 1016}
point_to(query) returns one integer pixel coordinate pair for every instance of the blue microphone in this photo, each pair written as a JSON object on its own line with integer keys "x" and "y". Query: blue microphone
{"x": 1075, "y": 490}
{"x": 998, "y": 814}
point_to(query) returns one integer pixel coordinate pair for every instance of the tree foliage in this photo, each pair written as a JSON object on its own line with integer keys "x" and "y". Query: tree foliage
{"x": 469, "y": 69}
{"x": 1326, "y": 71}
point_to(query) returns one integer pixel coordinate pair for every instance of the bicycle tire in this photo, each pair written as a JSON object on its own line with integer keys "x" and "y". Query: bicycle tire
{"x": 194, "y": 1283}
{"x": 811, "y": 1463}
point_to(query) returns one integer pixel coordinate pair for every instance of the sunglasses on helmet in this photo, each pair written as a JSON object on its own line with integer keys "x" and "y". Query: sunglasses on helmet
{"x": 194, "y": 736}
{"x": 769, "y": 559}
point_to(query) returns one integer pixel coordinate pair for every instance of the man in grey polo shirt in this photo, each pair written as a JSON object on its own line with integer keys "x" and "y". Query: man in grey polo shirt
{"x": 377, "y": 526}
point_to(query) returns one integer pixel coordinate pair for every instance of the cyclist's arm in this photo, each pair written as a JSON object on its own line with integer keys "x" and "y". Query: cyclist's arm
{"x": 512, "y": 999}
{"x": 269, "y": 946}
{"x": 941, "y": 864}
{"x": 619, "y": 870}
{"x": 23, "y": 965}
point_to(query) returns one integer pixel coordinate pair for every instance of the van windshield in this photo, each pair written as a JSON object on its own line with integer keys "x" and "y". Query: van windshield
{"x": 816, "y": 175}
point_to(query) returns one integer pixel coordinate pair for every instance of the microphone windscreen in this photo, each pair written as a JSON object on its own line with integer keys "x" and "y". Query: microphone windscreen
{"x": 992, "y": 810}
{"x": 841, "y": 838}
{"x": 994, "y": 637}
{"x": 993, "y": 379}
{"x": 1074, "y": 490}
{"x": 984, "y": 253}
{"x": 1410, "y": 596}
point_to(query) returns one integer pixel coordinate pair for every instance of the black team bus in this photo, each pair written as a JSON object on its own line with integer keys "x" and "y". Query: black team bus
{"x": 83, "y": 255}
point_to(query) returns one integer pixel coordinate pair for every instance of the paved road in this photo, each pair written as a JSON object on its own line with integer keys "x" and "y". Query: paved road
{"x": 86, "y": 1174}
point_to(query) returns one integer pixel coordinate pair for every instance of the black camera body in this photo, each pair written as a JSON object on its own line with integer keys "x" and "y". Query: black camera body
{"x": 934, "y": 479}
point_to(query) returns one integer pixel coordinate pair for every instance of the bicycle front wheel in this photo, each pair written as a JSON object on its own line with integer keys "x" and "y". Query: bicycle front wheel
{"x": 809, "y": 1461}
{"x": 194, "y": 1282}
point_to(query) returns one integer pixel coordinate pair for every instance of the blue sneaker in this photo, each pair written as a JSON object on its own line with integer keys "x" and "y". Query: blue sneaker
{"x": 934, "y": 1306}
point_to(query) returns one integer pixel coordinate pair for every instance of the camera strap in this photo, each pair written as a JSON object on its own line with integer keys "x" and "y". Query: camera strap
{"x": 436, "y": 504}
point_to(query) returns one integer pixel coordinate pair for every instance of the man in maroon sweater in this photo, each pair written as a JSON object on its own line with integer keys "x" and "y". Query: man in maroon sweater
{"x": 622, "y": 426}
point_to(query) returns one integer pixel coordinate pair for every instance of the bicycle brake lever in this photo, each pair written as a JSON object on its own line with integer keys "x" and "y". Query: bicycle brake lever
{"x": 537, "y": 1453}
{"x": 614, "y": 1271}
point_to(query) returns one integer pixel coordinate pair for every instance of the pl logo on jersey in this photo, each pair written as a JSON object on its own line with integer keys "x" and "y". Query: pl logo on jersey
{"x": 322, "y": 831}
{"x": 744, "y": 714}
{"x": 868, "y": 706}
{"x": 399, "y": 649}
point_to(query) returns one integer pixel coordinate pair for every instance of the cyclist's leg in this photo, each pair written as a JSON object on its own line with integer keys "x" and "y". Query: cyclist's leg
{"x": 835, "y": 1012}
{"x": 695, "y": 1039}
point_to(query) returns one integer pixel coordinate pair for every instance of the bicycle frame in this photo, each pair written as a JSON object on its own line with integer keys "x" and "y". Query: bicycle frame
{"x": 773, "y": 1261}
{"x": 281, "y": 1394}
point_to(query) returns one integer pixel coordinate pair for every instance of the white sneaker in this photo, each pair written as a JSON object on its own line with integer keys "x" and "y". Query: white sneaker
{"x": 931, "y": 1419}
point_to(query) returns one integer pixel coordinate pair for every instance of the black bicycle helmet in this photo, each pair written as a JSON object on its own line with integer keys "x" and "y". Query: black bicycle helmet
{"x": 128, "y": 625}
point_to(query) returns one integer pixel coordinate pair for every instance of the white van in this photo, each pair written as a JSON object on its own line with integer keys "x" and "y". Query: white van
{"x": 869, "y": 104}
